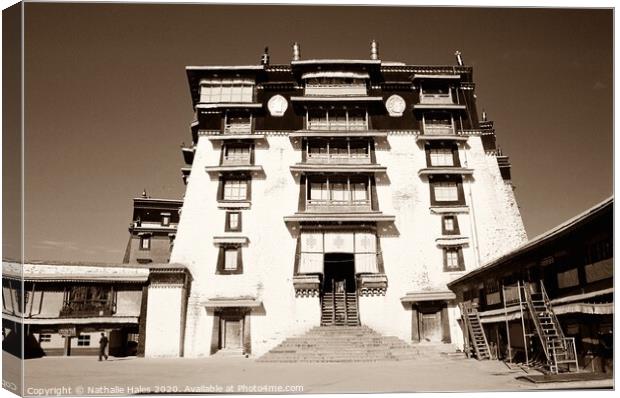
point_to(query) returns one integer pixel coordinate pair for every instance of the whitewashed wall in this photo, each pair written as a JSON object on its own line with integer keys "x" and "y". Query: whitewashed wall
{"x": 413, "y": 261}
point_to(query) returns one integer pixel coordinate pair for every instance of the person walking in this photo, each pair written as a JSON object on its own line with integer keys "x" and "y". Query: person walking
{"x": 103, "y": 343}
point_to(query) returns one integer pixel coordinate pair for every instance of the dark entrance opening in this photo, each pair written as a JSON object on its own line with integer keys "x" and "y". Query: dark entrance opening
{"x": 339, "y": 298}
{"x": 339, "y": 273}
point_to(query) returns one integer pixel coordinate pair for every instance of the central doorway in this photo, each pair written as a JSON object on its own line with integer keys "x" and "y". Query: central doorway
{"x": 339, "y": 291}
{"x": 339, "y": 273}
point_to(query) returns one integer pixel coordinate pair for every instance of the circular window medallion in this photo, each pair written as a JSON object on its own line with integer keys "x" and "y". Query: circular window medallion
{"x": 277, "y": 105}
{"x": 395, "y": 105}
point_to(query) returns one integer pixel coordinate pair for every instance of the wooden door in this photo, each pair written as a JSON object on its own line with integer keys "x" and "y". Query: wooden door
{"x": 431, "y": 327}
{"x": 232, "y": 334}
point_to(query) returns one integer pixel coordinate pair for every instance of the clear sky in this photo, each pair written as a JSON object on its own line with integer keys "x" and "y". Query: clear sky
{"x": 108, "y": 104}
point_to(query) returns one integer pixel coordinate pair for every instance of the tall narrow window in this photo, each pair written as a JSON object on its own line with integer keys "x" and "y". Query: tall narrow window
{"x": 450, "y": 225}
{"x": 233, "y": 221}
{"x": 165, "y": 219}
{"x": 230, "y": 259}
{"x": 145, "y": 242}
{"x": 453, "y": 258}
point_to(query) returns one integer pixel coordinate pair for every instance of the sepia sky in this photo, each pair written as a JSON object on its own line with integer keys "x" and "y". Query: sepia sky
{"x": 108, "y": 104}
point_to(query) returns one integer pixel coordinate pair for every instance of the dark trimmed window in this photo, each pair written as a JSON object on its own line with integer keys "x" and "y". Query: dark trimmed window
{"x": 237, "y": 154}
{"x": 447, "y": 191}
{"x": 165, "y": 219}
{"x": 233, "y": 221}
{"x": 442, "y": 156}
{"x": 233, "y": 189}
{"x": 145, "y": 242}
{"x": 453, "y": 259}
{"x": 229, "y": 261}
{"x": 83, "y": 340}
{"x": 450, "y": 225}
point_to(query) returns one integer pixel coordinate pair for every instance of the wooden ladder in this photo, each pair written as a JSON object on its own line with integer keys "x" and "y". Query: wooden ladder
{"x": 475, "y": 332}
{"x": 559, "y": 350}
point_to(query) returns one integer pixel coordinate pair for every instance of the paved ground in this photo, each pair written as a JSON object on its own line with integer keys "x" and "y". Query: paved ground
{"x": 86, "y": 376}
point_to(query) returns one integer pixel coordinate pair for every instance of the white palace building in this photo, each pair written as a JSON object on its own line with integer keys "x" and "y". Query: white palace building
{"x": 321, "y": 194}
{"x": 331, "y": 192}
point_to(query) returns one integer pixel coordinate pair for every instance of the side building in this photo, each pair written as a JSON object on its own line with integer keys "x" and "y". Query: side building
{"x": 63, "y": 307}
{"x": 152, "y": 230}
{"x": 555, "y": 291}
{"x": 366, "y": 184}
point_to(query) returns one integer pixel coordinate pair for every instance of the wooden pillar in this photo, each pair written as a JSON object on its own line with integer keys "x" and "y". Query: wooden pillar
{"x": 67, "y": 351}
{"x": 445, "y": 324}
{"x": 247, "y": 336}
{"x": 415, "y": 324}
{"x": 215, "y": 334}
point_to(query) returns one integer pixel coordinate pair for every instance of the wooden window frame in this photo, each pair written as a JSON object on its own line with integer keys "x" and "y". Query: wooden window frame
{"x": 459, "y": 188}
{"x": 455, "y": 230}
{"x": 146, "y": 238}
{"x": 456, "y": 162}
{"x": 222, "y": 186}
{"x": 460, "y": 260}
{"x": 227, "y": 226}
{"x": 221, "y": 260}
{"x": 84, "y": 337}
{"x": 227, "y": 146}
{"x": 166, "y": 218}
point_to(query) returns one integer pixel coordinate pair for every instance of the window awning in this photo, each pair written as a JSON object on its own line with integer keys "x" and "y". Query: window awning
{"x": 436, "y": 76}
{"x": 232, "y": 240}
{"x": 337, "y": 98}
{"x": 339, "y": 168}
{"x": 233, "y": 303}
{"x": 416, "y": 297}
{"x": 126, "y": 320}
{"x": 445, "y": 170}
{"x": 339, "y": 74}
{"x": 454, "y": 240}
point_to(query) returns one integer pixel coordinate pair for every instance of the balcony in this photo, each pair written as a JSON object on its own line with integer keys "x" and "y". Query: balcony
{"x": 238, "y": 128}
{"x": 236, "y": 159}
{"x": 88, "y": 307}
{"x": 335, "y": 89}
{"x": 438, "y": 129}
{"x": 338, "y": 206}
{"x": 337, "y": 125}
{"x": 436, "y": 98}
{"x": 337, "y": 158}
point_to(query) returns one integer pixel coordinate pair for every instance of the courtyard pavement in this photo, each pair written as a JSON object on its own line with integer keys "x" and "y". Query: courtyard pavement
{"x": 125, "y": 376}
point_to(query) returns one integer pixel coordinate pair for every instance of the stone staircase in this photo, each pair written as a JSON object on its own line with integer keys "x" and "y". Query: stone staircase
{"x": 339, "y": 309}
{"x": 349, "y": 344}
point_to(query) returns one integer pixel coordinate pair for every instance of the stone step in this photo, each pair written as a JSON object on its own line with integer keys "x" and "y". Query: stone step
{"x": 349, "y": 344}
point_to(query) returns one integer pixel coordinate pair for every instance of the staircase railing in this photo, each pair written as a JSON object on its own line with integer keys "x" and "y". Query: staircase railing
{"x": 466, "y": 311}
{"x": 549, "y": 307}
{"x": 346, "y": 304}
{"x": 568, "y": 343}
{"x": 333, "y": 302}
{"x": 534, "y": 316}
